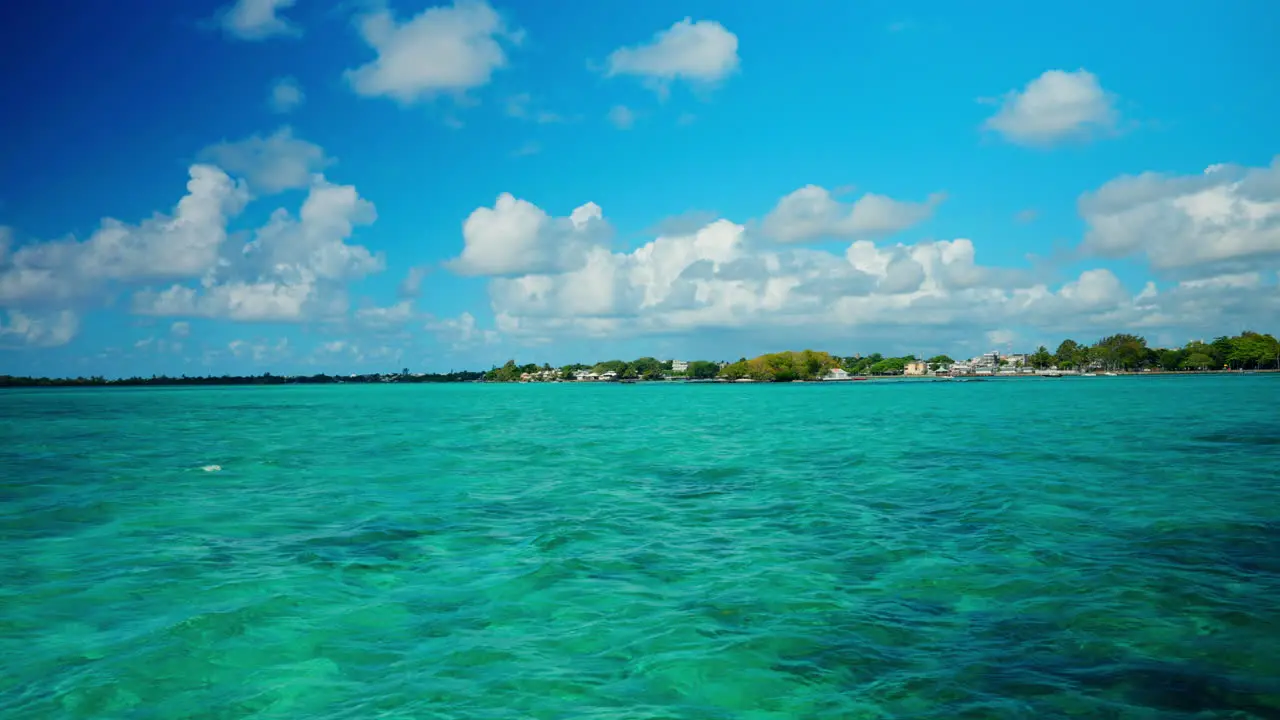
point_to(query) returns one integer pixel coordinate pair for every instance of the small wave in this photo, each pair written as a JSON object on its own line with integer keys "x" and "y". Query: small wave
{"x": 212, "y": 468}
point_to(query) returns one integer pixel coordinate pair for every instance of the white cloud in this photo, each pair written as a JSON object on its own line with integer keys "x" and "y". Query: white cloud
{"x": 286, "y": 95}
{"x": 461, "y": 332}
{"x": 386, "y": 318}
{"x": 411, "y": 286}
{"x": 180, "y": 329}
{"x": 269, "y": 164}
{"x": 294, "y": 269}
{"x": 701, "y": 52}
{"x": 1195, "y": 224}
{"x": 1055, "y": 106}
{"x": 516, "y": 236}
{"x": 47, "y": 330}
{"x": 442, "y": 49}
{"x": 520, "y": 106}
{"x": 622, "y": 117}
{"x": 812, "y": 212}
{"x": 181, "y": 245}
{"x": 258, "y": 19}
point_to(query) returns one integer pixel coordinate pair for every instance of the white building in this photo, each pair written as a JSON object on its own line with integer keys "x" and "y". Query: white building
{"x": 679, "y": 365}
{"x": 836, "y": 374}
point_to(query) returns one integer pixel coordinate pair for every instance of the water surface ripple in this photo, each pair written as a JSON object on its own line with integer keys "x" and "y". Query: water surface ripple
{"x": 1103, "y": 548}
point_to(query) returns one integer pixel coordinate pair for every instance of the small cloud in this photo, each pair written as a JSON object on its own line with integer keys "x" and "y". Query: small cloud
{"x": 411, "y": 286}
{"x": 180, "y": 329}
{"x": 257, "y": 20}
{"x": 702, "y": 52}
{"x": 1027, "y": 216}
{"x": 1055, "y": 106}
{"x": 444, "y": 49}
{"x": 271, "y": 164}
{"x": 1001, "y": 337}
{"x": 622, "y": 117}
{"x": 529, "y": 148}
{"x": 286, "y": 95}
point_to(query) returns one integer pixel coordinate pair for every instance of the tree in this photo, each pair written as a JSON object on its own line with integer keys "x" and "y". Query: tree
{"x": 1171, "y": 359}
{"x": 1041, "y": 358}
{"x": 647, "y": 368}
{"x": 1071, "y": 354}
{"x": 1122, "y": 351}
{"x": 735, "y": 371}
{"x": 1198, "y": 361}
{"x": 702, "y": 370}
{"x": 938, "y": 360}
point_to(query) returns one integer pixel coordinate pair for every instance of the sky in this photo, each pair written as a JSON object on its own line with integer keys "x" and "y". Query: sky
{"x": 297, "y": 186}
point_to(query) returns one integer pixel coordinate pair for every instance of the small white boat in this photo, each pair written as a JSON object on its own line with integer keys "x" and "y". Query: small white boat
{"x": 1088, "y": 374}
{"x": 1110, "y": 374}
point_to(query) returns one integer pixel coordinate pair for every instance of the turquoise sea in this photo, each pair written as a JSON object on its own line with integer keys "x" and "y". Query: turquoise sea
{"x": 1093, "y": 548}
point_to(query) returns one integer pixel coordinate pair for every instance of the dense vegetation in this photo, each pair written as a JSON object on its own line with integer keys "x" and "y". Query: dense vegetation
{"x": 781, "y": 367}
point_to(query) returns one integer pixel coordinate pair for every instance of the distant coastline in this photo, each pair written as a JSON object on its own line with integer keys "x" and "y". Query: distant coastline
{"x": 1120, "y": 354}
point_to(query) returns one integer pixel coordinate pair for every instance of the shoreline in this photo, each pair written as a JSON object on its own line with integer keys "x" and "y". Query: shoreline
{"x": 878, "y": 379}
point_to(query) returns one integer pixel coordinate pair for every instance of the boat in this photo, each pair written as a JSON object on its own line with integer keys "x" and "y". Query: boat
{"x": 1110, "y": 374}
{"x": 1088, "y": 374}
{"x": 1051, "y": 374}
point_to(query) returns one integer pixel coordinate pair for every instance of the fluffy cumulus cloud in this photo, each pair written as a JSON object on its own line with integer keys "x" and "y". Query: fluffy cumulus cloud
{"x": 515, "y": 236}
{"x": 269, "y": 164}
{"x": 21, "y": 329}
{"x": 182, "y": 244}
{"x": 294, "y": 268}
{"x": 286, "y": 95}
{"x": 1224, "y": 219}
{"x": 258, "y": 19}
{"x": 813, "y": 212}
{"x": 1055, "y": 106}
{"x": 187, "y": 263}
{"x": 702, "y": 52}
{"x": 447, "y": 49}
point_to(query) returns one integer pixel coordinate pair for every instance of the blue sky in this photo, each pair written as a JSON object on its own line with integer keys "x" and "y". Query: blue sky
{"x": 304, "y": 186}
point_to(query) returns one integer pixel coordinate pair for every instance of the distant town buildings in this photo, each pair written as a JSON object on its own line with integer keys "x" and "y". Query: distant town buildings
{"x": 916, "y": 367}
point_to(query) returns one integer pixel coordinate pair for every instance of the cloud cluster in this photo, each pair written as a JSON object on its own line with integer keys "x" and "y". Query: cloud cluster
{"x": 295, "y": 268}
{"x": 187, "y": 263}
{"x": 182, "y": 244}
{"x": 720, "y": 276}
{"x": 447, "y": 49}
{"x": 1055, "y": 106}
{"x": 1225, "y": 219}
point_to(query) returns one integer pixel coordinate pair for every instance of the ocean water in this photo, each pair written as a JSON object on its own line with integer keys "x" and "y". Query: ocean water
{"x": 1094, "y": 548}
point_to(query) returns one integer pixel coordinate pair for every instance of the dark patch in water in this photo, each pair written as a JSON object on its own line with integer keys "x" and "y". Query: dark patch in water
{"x": 1239, "y": 439}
